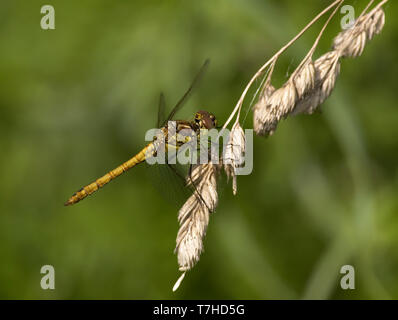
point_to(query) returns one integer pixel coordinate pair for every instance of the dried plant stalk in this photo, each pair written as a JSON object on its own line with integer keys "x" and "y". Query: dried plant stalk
{"x": 349, "y": 43}
{"x": 273, "y": 60}
{"x": 315, "y": 81}
{"x": 297, "y": 95}
{"x": 307, "y": 88}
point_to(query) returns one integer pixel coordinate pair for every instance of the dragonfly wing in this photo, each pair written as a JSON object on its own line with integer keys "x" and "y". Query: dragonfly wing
{"x": 170, "y": 179}
{"x": 161, "y": 111}
{"x": 169, "y": 182}
{"x": 185, "y": 97}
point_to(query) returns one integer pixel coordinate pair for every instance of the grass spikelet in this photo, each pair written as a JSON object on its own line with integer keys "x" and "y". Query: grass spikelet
{"x": 327, "y": 70}
{"x": 264, "y": 123}
{"x": 304, "y": 79}
{"x": 352, "y": 42}
{"x": 272, "y": 108}
{"x": 194, "y": 215}
{"x": 234, "y": 154}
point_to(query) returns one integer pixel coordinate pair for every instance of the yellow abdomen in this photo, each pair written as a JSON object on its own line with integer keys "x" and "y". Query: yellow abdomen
{"x": 100, "y": 182}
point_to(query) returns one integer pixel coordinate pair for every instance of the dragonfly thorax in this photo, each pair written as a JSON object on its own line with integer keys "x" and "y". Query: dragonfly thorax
{"x": 205, "y": 120}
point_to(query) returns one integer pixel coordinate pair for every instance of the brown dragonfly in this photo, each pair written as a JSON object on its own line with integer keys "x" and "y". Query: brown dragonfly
{"x": 202, "y": 120}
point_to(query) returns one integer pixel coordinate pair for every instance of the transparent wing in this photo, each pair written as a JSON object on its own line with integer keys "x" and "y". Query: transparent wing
{"x": 186, "y": 95}
{"x": 171, "y": 179}
{"x": 168, "y": 180}
{"x": 161, "y": 111}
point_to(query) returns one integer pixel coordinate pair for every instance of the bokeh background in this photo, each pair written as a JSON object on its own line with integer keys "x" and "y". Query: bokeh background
{"x": 75, "y": 102}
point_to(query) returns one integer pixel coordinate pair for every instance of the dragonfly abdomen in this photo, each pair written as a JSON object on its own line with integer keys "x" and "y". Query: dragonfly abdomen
{"x": 100, "y": 182}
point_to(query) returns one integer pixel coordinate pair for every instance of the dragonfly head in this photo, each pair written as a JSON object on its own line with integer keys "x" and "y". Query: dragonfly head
{"x": 205, "y": 120}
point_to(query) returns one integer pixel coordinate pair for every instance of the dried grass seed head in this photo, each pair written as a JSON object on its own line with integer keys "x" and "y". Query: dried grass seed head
{"x": 262, "y": 119}
{"x": 309, "y": 103}
{"x": 352, "y": 42}
{"x": 233, "y": 157}
{"x": 327, "y": 69}
{"x": 283, "y": 100}
{"x": 270, "y": 111}
{"x": 304, "y": 79}
{"x": 194, "y": 215}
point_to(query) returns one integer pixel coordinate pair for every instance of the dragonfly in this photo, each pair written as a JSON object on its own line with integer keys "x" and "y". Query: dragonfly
{"x": 203, "y": 120}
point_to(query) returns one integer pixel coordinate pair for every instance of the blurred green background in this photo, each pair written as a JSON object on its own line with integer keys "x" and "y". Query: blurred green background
{"x": 75, "y": 102}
